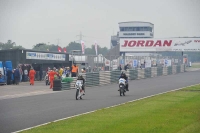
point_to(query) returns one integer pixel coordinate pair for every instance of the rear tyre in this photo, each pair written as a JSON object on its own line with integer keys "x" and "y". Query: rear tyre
{"x": 77, "y": 93}
{"x": 124, "y": 93}
{"x": 121, "y": 91}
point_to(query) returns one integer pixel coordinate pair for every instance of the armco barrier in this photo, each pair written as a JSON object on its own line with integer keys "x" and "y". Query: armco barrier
{"x": 107, "y": 77}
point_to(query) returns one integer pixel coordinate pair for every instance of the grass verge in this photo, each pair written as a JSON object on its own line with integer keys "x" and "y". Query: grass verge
{"x": 173, "y": 112}
{"x": 195, "y": 65}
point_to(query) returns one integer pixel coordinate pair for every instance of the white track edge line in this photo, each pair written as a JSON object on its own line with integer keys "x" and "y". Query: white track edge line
{"x": 104, "y": 108}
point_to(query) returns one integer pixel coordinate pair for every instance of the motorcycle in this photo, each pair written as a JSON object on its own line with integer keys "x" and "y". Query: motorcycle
{"x": 79, "y": 90}
{"x": 122, "y": 86}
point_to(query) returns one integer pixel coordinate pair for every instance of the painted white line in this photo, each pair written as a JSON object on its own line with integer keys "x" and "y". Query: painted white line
{"x": 23, "y": 93}
{"x": 26, "y": 94}
{"x": 103, "y": 108}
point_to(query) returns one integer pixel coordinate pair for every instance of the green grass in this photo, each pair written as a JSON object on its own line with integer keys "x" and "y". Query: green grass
{"x": 174, "y": 112}
{"x": 195, "y": 65}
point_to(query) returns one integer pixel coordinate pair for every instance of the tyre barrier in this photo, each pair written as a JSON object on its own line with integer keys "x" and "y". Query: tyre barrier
{"x": 147, "y": 73}
{"x": 57, "y": 85}
{"x": 154, "y": 72}
{"x": 65, "y": 86}
{"x": 159, "y": 71}
{"x": 169, "y": 70}
{"x": 108, "y": 77}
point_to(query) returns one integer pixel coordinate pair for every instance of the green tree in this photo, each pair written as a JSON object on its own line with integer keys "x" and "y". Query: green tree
{"x": 73, "y": 46}
{"x": 45, "y": 47}
{"x": 9, "y": 45}
{"x": 40, "y": 46}
{"x": 88, "y": 51}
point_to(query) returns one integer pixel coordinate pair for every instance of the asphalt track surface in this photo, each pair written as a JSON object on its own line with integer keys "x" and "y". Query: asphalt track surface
{"x": 24, "y": 112}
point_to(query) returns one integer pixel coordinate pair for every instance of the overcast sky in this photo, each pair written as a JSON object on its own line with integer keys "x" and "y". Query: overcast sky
{"x": 28, "y": 22}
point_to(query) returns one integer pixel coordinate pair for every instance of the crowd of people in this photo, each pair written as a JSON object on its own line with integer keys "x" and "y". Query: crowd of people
{"x": 18, "y": 74}
{"x": 25, "y": 73}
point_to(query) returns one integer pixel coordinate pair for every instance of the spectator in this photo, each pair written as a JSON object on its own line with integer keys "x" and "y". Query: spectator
{"x": 25, "y": 75}
{"x": 68, "y": 72}
{"x": 60, "y": 72}
{"x": 32, "y": 76}
{"x": 17, "y": 76}
{"x": 89, "y": 69}
{"x": 74, "y": 70}
{"x": 126, "y": 67}
{"x": 120, "y": 67}
{"x": 21, "y": 73}
{"x": 51, "y": 77}
{"x": 83, "y": 70}
{"x": 9, "y": 76}
{"x": 47, "y": 79}
{"x": 13, "y": 76}
{"x": 40, "y": 73}
{"x": 0, "y": 74}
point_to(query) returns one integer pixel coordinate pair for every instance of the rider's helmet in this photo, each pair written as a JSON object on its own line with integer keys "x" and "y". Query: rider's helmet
{"x": 80, "y": 76}
{"x": 123, "y": 74}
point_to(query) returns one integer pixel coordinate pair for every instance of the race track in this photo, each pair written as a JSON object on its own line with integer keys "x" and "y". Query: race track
{"x": 24, "y": 112}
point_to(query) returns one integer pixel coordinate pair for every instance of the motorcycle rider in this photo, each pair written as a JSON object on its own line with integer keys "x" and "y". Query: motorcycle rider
{"x": 123, "y": 75}
{"x": 80, "y": 77}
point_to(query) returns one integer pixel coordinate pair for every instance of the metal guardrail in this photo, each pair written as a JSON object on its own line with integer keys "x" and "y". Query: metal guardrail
{"x": 108, "y": 77}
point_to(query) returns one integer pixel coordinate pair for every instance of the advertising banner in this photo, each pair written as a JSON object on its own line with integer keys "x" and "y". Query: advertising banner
{"x": 122, "y": 61}
{"x": 83, "y": 47}
{"x": 153, "y": 62}
{"x": 107, "y": 62}
{"x": 176, "y": 60}
{"x": 129, "y": 62}
{"x": 169, "y": 63}
{"x": 147, "y": 63}
{"x": 135, "y": 63}
{"x": 45, "y": 56}
{"x": 114, "y": 64}
{"x": 169, "y": 44}
{"x": 166, "y": 62}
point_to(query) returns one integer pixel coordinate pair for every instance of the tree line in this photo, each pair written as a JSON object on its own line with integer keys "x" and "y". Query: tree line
{"x": 54, "y": 48}
{"x": 193, "y": 56}
{"x": 9, "y": 45}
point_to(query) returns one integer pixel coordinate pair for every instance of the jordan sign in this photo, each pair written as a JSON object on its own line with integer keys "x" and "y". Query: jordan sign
{"x": 170, "y": 44}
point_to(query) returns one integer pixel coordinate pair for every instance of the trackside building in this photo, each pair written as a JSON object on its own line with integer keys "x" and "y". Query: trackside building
{"x": 35, "y": 58}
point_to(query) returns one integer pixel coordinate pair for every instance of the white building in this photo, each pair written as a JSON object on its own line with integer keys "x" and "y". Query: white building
{"x": 133, "y": 29}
